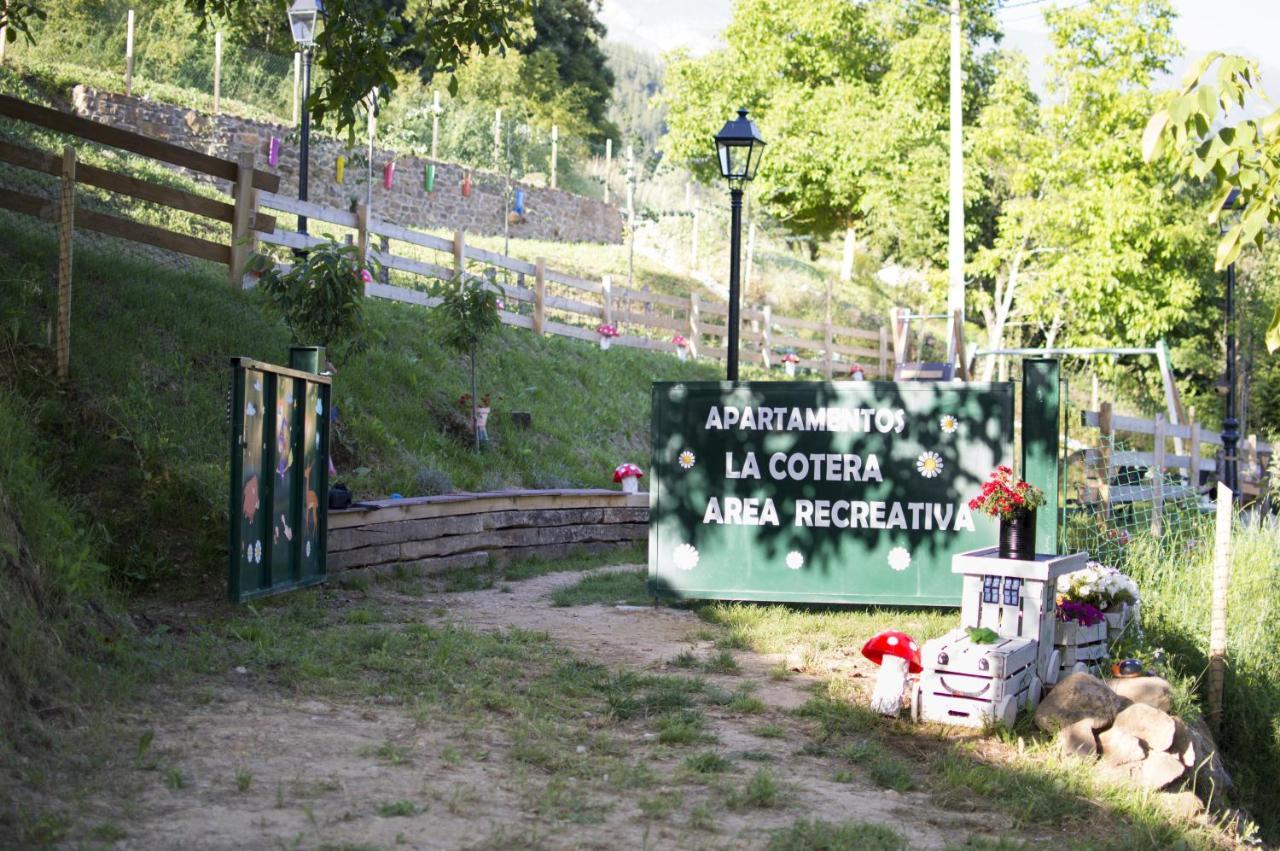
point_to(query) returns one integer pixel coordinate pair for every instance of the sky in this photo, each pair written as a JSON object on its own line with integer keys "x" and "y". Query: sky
{"x": 1247, "y": 27}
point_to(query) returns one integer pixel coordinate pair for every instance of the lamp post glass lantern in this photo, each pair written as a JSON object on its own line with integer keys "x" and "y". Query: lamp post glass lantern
{"x": 739, "y": 147}
{"x": 304, "y": 15}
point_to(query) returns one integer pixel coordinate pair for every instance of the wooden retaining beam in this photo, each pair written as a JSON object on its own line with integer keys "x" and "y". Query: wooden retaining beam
{"x": 432, "y": 534}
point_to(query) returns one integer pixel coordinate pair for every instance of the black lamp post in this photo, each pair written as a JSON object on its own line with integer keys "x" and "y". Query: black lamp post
{"x": 739, "y": 147}
{"x": 1230, "y": 425}
{"x": 303, "y": 17}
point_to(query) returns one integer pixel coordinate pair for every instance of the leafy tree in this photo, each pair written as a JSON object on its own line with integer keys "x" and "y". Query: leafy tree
{"x": 363, "y": 42}
{"x": 320, "y": 297}
{"x": 1241, "y": 157}
{"x": 469, "y": 312}
{"x": 570, "y": 33}
{"x": 16, "y": 17}
{"x": 637, "y": 81}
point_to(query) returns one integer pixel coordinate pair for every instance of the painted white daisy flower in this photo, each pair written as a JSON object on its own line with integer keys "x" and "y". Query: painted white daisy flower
{"x": 929, "y": 464}
{"x": 686, "y": 460}
{"x": 685, "y": 557}
{"x": 795, "y": 561}
{"x": 949, "y": 424}
{"x": 250, "y": 410}
{"x": 308, "y": 549}
{"x": 257, "y": 552}
{"x": 899, "y": 558}
{"x": 319, "y": 407}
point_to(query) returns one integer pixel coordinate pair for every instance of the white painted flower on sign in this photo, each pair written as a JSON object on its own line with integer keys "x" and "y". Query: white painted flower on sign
{"x": 899, "y": 558}
{"x": 685, "y": 557}
{"x": 929, "y": 464}
{"x": 257, "y": 552}
{"x": 250, "y": 410}
{"x": 686, "y": 460}
{"x": 949, "y": 424}
{"x": 795, "y": 561}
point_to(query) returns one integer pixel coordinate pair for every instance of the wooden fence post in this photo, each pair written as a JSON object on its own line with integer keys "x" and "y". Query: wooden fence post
{"x": 1104, "y": 456}
{"x": 1157, "y": 479}
{"x": 242, "y": 239}
{"x": 883, "y": 373}
{"x": 606, "y": 293}
{"x": 66, "y": 232}
{"x": 362, "y": 235}
{"x": 898, "y": 324}
{"x": 217, "y": 71}
{"x": 695, "y": 335}
{"x": 555, "y": 149}
{"x": 1194, "y": 474}
{"x": 539, "y": 295}
{"x": 766, "y": 345}
{"x": 459, "y": 255}
{"x": 1218, "y": 608}
{"x": 128, "y": 55}
{"x": 827, "y": 343}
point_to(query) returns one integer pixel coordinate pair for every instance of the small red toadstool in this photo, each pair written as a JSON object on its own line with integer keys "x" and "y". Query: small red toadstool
{"x": 896, "y": 653}
{"x": 629, "y": 475}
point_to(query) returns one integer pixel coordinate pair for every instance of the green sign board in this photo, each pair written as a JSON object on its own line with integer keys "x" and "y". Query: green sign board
{"x": 279, "y": 478}
{"x": 853, "y": 492}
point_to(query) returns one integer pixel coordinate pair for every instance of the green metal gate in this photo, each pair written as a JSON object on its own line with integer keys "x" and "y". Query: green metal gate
{"x": 279, "y": 476}
{"x": 850, "y": 492}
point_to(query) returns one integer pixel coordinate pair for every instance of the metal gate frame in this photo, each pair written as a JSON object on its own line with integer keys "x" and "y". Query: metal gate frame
{"x": 279, "y": 484}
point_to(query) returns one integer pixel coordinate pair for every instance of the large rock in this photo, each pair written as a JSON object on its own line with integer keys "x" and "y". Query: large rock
{"x": 1077, "y": 739}
{"x": 1075, "y": 698}
{"x": 1183, "y": 747}
{"x": 1213, "y": 783}
{"x": 1120, "y": 748}
{"x": 1153, "y": 691}
{"x": 1184, "y": 806}
{"x": 1153, "y": 727}
{"x": 1160, "y": 769}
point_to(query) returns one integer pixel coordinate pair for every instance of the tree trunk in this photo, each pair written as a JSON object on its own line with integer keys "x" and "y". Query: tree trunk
{"x": 1003, "y": 304}
{"x": 475, "y": 432}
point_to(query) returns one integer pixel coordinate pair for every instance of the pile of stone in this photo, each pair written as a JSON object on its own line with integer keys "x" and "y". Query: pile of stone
{"x": 1125, "y": 725}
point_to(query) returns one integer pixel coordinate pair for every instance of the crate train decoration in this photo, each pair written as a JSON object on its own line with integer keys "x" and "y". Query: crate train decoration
{"x": 969, "y": 684}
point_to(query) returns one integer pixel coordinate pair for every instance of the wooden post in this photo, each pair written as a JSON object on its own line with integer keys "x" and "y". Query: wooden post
{"x": 128, "y": 55}
{"x": 962, "y": 356}
{"x": 883, "y": 374}
{"x": 608, "y": 166}
{"x": 66, "y": 232}
{"x": 555, "y": 149}
{"x": 1194, "y": 478}
{"x": 766, "y": 345}
{"x": 1105, "y": 446}
{"x": 695, "y": 335}
{"x": 217, "y": 71}
{"x": 362, "y": 234}
{"x": 539, "y": 295}
{"x": 459, "y": 257}
{"x": 1218, "y": 608}
{"x": 606, "y": 287}
{"x": 898, "y": 324}
{"x": 1093, "y": 399}
{"x": 693, "y": 244}
{"x": 1157, "y": 479}
{"x": 297, "y": 88}
{"x": 242, "y": 240}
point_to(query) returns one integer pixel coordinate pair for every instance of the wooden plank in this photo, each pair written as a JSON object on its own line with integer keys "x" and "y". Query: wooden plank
{"x": 571, "y": 306}
{"x": 413, "y": 267}
{"x": 855, "y": 351}
{"x": 798, "y": 343}
{"x": 241, "y": 238}
{"x": 655, "y": 298}
{"x": 650, "y": 320}
{"x": 310, "y": 209}
{"x": 452, "y": 505}
{"x": 29, "y": 205}
{"x": 424, "y": 240}
{"x": 500, "y": 260}
{"x": 643, "y": 343}
{"x": 64, "y": 122}
{"x": 577, "y": 333}
{"x": 572, "y": 281}
{"x": 804, "y": 324}
{"x": 407, "y": 296}
{"x": 182, "y": 243}
{"x": 516, "y": 319}
{"x": 539, "y": 296}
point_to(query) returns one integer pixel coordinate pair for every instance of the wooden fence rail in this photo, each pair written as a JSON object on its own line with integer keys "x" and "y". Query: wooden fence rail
{"x": 1188, "y": 463}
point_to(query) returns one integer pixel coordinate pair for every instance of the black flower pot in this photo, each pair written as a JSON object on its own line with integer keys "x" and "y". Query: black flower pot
{"x": 1018, "y": 535}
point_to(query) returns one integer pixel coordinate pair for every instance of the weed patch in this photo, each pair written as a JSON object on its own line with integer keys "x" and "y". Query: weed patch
{"x": 627, "y": 587}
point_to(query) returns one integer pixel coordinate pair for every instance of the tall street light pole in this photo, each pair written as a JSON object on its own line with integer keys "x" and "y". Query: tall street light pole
{"x": 739, "y": 147}
{"x": 1230, "y": 425}
{"x": 303, "y": 17}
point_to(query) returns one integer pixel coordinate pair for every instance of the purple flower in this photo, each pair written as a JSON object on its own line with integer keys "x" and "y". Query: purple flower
{"x": 1084, "y": 613}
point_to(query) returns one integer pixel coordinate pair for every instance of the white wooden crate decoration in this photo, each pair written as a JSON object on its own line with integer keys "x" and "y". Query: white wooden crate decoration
{"x": 1080, "y": 647}
{"x": 975, "y": 684}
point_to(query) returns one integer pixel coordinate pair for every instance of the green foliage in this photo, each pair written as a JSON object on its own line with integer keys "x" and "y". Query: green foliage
{"x": 16, "y": 17}
{"x": 569, "y": 34}
{"x": 469, "y": 313}
{"x": 320, "y": 297}
{"x": 824, "y": 836}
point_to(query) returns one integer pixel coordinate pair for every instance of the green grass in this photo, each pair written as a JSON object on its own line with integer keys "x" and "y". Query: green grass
{"x": 618, "y": 586}
{"x": 708, "y": 762}
{"x": 761, "y": 791}
{"x": 394, "y": 809}
{"x": 824, "y": 836}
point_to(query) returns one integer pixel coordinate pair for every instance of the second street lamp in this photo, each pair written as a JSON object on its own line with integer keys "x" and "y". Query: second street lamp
{"x": 738, "y": 148}
{"x": 303, "y": 17}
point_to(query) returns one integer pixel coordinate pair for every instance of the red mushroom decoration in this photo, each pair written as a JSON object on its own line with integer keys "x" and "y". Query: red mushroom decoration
{"x": 896, "y": 653}
{"x": 629, "y": 475}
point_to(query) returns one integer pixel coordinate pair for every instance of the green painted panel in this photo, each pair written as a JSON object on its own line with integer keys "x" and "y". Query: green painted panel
{"x": 849, "y": 492}
{"x": 279, "y": 479}
{"x": 1041, "y": 398}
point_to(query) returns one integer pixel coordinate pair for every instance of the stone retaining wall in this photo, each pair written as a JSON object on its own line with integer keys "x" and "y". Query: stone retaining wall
{"x": 432, "y": 534}
{"x": 550, "y": 214}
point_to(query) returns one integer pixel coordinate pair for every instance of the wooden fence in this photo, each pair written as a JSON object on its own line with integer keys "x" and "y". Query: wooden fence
{"x": 68, "y": 213}
{"x": 1194, "y": 471}
{"x": 548, "y": 301}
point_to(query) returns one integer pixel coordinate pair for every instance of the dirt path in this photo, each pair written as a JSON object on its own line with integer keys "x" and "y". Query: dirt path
{"x": 242, "y": 769}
